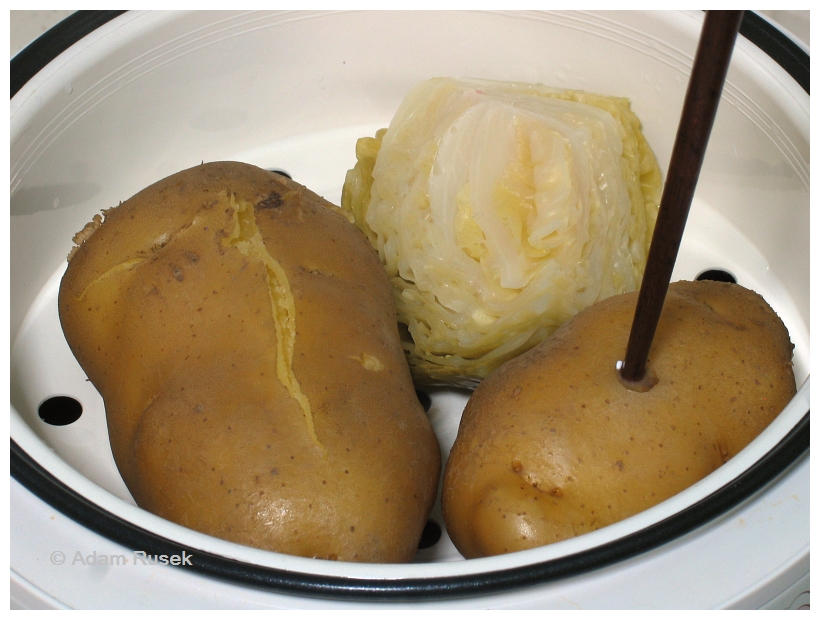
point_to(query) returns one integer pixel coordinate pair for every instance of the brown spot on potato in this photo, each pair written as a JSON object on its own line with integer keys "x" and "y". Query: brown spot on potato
{"x": 273, "y": 201}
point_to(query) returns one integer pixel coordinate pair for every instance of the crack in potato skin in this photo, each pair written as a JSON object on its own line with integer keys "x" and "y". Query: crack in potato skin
{"x": 115, "y": 271}
{"x": 248, "y": 240}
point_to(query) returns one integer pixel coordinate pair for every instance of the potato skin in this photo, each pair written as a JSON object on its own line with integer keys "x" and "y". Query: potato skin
{"x": 552, "y": 445}
{"x": 176, "y": 331}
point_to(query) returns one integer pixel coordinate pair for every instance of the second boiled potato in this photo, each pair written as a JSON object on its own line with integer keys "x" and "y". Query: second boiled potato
{"x": 552, "y": 445}
{"x": 243, "y": 336}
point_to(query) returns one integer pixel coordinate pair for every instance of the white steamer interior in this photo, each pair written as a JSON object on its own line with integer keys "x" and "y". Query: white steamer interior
{"x": 149, "y": 94}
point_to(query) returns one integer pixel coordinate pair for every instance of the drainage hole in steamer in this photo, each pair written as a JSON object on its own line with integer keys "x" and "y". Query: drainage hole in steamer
{"x": 284, "y": 173}
{"x": 60, "y": 410}
{"x": 430, "y": 535}
{"x": 717, "y": 275}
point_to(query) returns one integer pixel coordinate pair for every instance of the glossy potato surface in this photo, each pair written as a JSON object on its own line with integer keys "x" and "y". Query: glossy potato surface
{"x": 243, "y": 336}
{"x": 552, "y": 445}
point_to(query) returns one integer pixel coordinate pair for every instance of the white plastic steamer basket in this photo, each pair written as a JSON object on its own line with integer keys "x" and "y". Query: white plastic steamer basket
{"x": 147, "y": 94}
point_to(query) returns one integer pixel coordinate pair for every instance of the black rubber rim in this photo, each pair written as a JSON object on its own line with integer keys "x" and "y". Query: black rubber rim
{"x": 51, "y": 490}
{"x": 32, "y": 58}
{"x": 778, "y": 46}
{"x": 41, "y": 483}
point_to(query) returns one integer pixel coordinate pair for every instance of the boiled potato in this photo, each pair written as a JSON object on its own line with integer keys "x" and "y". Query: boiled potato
{"x": 243, "y": 336}
{"x": 552, "y": 445}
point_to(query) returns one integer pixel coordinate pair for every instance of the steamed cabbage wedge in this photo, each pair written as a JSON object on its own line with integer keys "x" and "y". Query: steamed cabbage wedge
{"x": 500, "y": 210}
